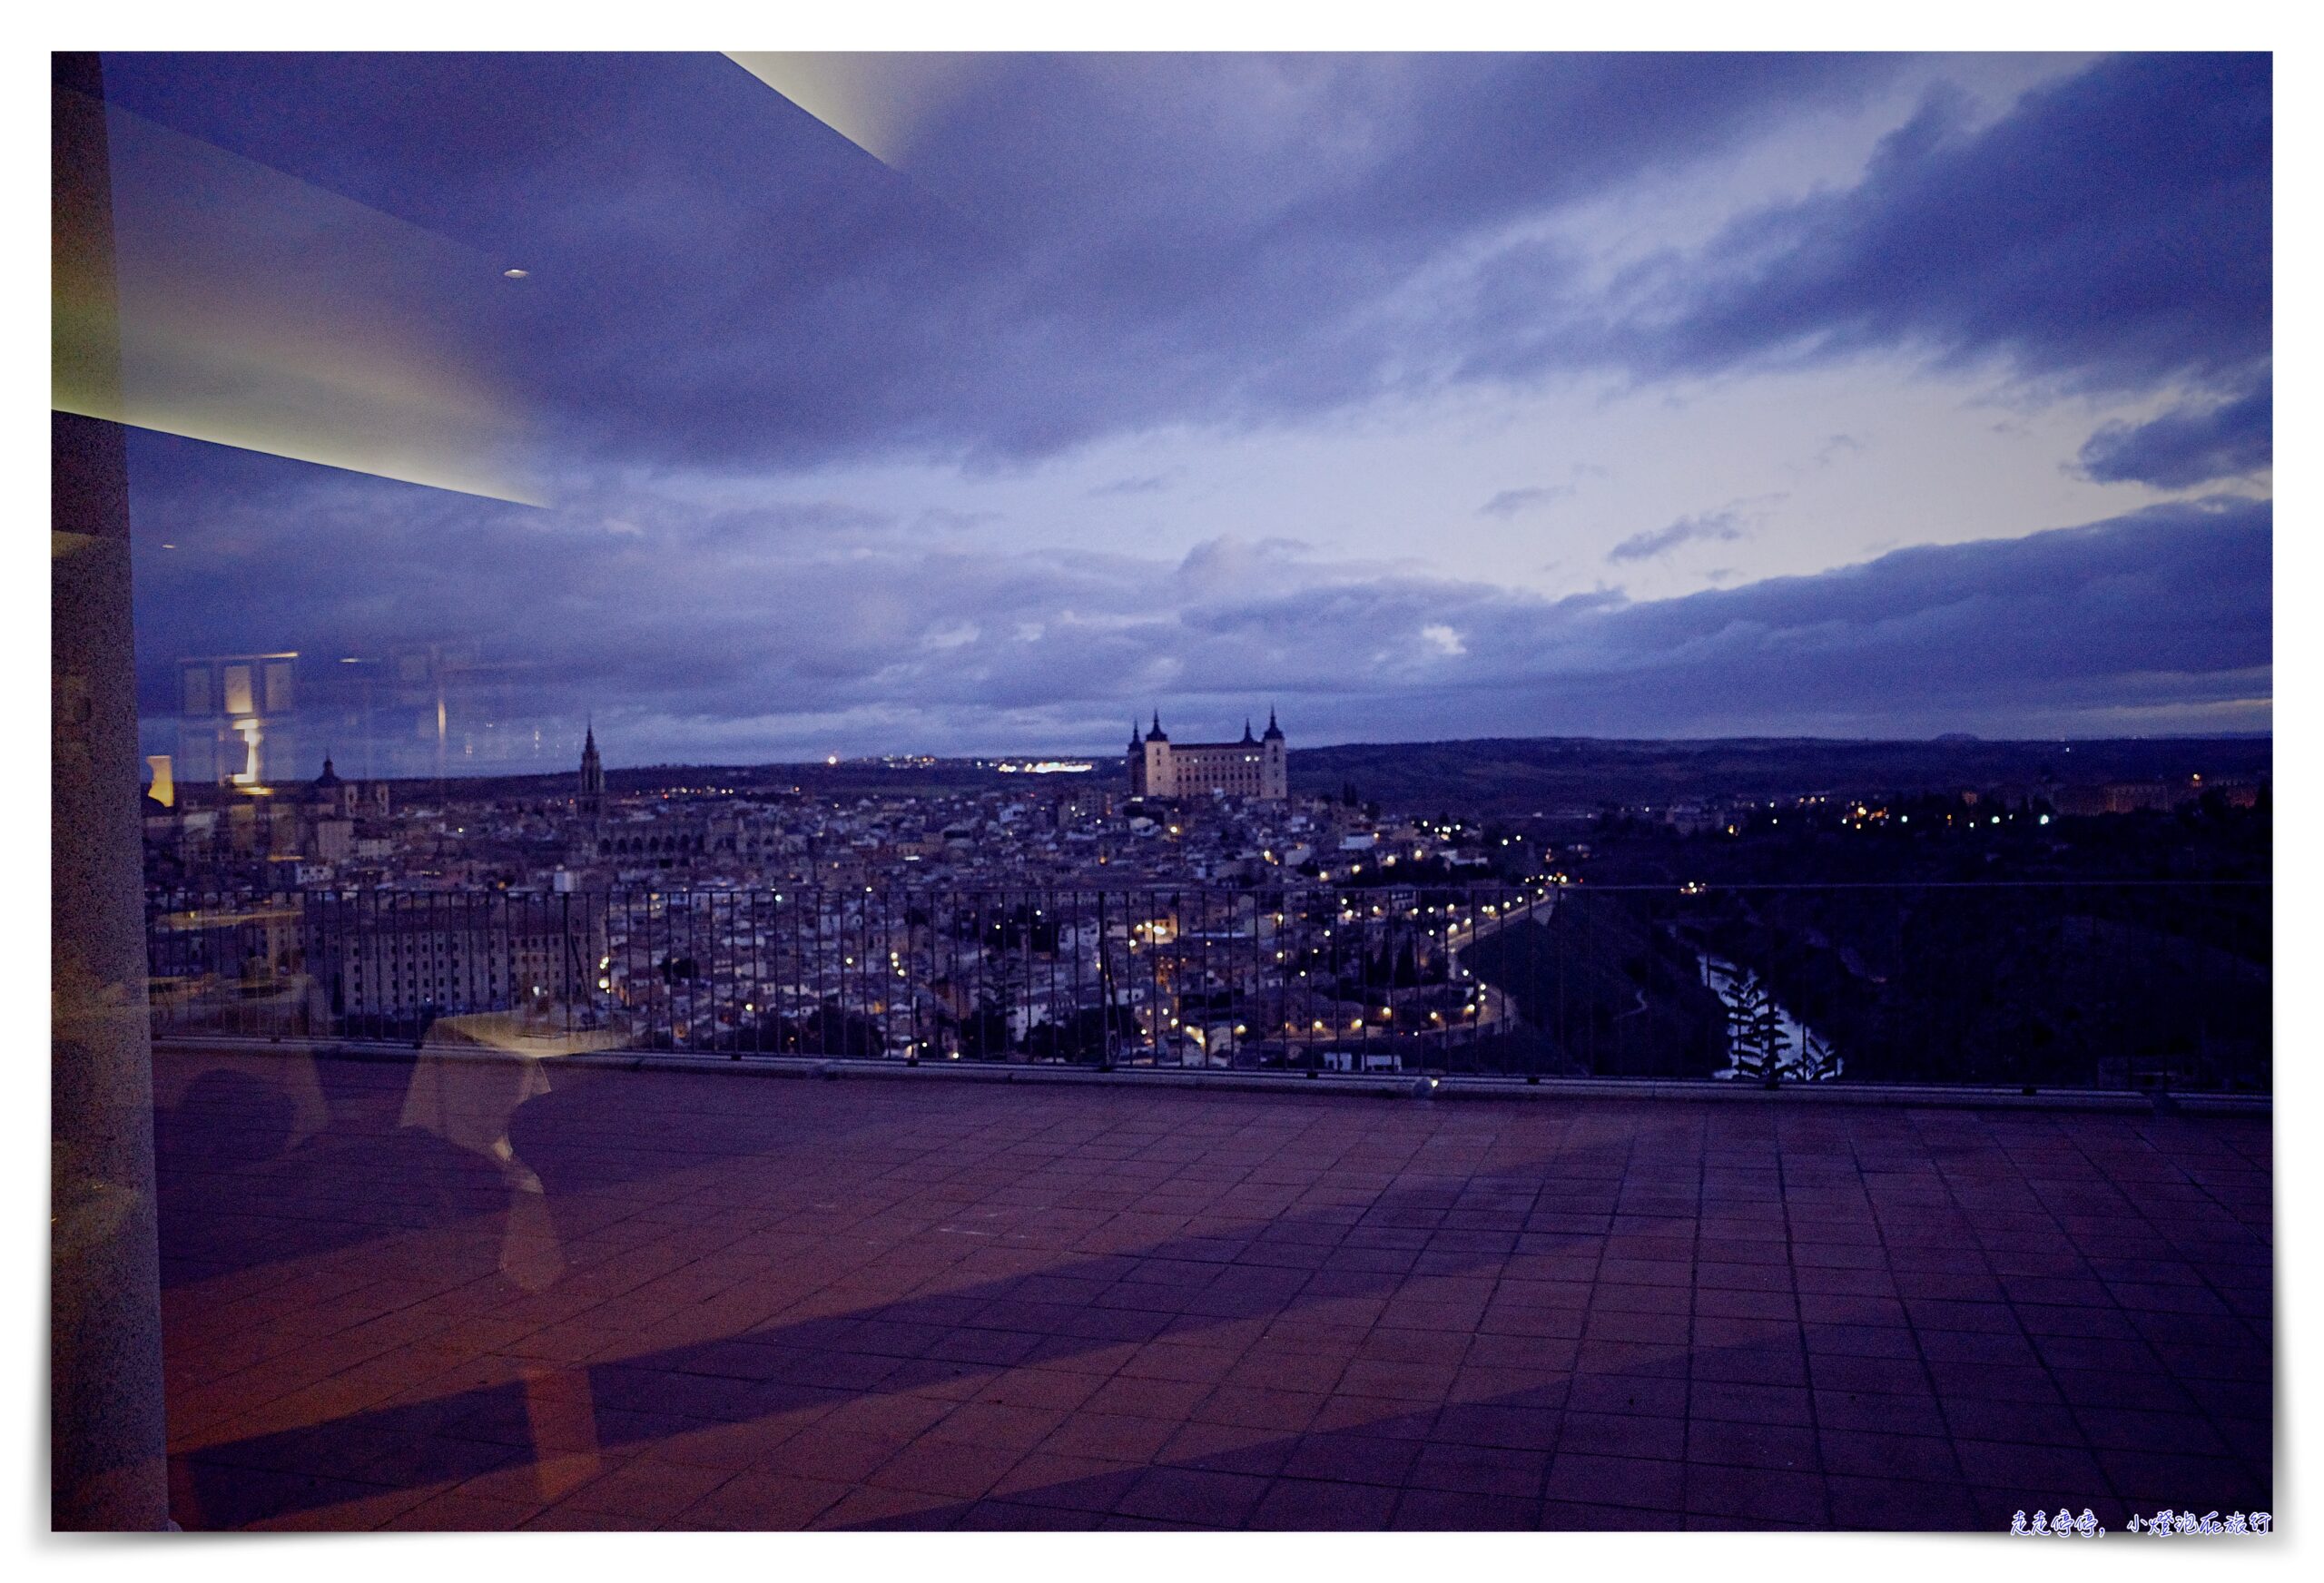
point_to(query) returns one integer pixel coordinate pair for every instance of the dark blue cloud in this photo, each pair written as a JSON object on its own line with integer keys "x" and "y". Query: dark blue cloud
{"x": 810, "y": 627}
{"x": 1510, "y": 502}
{"x": 1718, "y": 526}
{"x": 2155, "y": 621}
{"x": 1140, "y": 484}
{"x": 1088, "y": 243}
{"x": 1098, "y": 244}
{"x": 2173, "y": 603}
{"x": 1093, "y": 243}
{"x": 2189, "y": 444}
{"x": 2112, "y": 231}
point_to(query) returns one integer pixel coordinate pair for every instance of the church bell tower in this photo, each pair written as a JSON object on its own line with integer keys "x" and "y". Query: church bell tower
{"x": 591, "y": 803}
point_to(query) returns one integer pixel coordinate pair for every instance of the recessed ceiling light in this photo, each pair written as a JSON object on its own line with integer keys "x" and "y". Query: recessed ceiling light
{"x": 515, "y": 274}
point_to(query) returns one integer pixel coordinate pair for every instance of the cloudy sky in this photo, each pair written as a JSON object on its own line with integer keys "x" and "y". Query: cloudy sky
{"x": 977, "y": 405}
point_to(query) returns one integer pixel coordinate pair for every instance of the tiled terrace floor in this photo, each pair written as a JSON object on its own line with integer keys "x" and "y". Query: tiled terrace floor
{"x": 708, "y": 1302}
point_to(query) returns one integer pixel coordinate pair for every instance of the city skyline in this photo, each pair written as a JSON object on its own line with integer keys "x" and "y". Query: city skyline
{"x": 1428, "y": 396}
{"x": 294, "y": 757}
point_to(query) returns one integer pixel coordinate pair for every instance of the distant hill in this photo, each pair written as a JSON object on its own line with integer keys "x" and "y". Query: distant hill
{"x": 849, "y": 778}
{"x": 1506, "y": 776}
{"x": 1577, "y": 776}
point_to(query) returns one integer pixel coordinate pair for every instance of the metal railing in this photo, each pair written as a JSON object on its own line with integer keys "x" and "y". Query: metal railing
{"x": 2084, "y": 985}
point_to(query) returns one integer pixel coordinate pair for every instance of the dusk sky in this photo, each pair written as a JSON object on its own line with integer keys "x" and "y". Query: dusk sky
{"x": 1018, "y": 396}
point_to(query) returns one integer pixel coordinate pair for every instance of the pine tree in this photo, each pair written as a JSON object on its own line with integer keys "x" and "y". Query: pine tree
{"x": 1818, "y": 1062}
{"x": 1755, "y": 1031}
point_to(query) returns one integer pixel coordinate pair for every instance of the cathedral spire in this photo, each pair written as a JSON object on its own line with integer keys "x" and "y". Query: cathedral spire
{"x": 591, "y": 802}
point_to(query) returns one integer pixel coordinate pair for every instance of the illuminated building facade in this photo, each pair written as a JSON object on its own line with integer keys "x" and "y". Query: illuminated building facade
{"x": 1257, "y": 766}
{"x": 456, "y": 958}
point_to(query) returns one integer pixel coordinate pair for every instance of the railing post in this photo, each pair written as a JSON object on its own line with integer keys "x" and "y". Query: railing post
{"x": 1104, "y": 990}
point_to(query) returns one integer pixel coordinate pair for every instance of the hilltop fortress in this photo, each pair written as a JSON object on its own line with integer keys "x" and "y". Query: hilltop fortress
{"x": 1257, "y": 766}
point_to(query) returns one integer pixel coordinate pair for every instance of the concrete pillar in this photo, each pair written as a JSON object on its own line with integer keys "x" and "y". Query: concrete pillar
{"x": 107, "y": 1463}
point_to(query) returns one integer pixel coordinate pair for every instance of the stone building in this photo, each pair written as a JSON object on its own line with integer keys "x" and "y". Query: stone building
{"x": 391, "y": 955}
{"x": 1257, "y": 766}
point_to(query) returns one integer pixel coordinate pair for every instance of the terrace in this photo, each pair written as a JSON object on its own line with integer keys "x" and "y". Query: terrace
{"x": 479, "y": 1291}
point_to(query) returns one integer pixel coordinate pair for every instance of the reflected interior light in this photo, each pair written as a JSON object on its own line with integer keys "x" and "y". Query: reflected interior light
{"x": 251, "y": 735}
{"x": 254, "y": 309}
{"x": 880, "y": 102}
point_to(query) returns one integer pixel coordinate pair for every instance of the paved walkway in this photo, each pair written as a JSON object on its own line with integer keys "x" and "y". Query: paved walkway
{"x": 459, "y": 1295}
